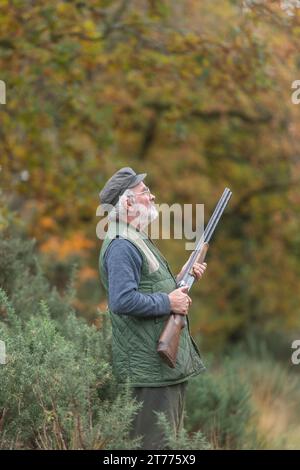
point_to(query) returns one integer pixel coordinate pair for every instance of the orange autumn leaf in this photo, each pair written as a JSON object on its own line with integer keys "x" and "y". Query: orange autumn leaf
{"x": 47, "y": 223}
{"x": 77, "y": 244}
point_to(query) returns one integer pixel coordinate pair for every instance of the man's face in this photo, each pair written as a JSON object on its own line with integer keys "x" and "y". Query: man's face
{"x": 143, "y": 204}
{"x": 143, "y": 194}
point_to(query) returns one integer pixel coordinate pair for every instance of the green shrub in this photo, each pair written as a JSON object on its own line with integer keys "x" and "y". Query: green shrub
{"x": 24, "y": 282}
{"x": 219, "y": 405}
{"x": 183, "y": 440}
{"x": 57, "y": 388}
{"x": 52, "y": 386}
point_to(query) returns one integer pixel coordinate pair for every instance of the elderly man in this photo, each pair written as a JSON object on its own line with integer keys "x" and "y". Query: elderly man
{"x": 142, "y": 294}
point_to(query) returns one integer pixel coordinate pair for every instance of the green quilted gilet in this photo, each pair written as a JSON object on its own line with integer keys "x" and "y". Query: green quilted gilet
{"x": 134, "y": 340}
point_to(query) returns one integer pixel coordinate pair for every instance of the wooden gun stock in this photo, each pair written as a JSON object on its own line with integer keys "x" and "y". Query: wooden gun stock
{"x": 169, "y": 339}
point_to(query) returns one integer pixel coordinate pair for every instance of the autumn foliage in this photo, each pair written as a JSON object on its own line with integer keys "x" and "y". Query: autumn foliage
{"x": 196, "y": 94}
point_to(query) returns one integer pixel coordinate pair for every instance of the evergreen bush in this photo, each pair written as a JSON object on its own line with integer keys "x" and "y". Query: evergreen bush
{"x": 57, "y": 387}
{"x": 219, "y": 405}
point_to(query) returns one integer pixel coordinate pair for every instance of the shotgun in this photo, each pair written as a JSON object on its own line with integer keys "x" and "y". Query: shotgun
{"x": 169, "y": 339}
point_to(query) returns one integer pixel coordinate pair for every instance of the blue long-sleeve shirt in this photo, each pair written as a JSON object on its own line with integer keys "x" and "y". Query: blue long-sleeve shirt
{"x": 123, "y": 264}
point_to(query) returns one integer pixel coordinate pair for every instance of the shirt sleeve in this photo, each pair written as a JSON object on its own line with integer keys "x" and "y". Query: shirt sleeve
{"x": 123, "y": 264}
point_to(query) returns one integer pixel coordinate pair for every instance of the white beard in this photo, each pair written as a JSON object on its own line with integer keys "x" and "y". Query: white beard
{"x": 145, "y": 215}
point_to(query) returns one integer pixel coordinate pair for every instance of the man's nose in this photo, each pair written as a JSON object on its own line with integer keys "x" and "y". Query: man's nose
{"x": 152, "y": 197}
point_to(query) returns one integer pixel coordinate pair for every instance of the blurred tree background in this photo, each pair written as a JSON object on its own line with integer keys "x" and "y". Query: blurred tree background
{"x": 196, "y": 94}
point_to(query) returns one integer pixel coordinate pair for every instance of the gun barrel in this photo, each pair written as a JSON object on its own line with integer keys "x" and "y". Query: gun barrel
{"x": 211, "y": 224}
{"x": 169, "y": 339}
{"x": 210, "y": 228}
{"x": 217, "y": 215}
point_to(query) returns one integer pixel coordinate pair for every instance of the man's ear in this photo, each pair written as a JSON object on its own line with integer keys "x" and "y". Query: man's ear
{"x": 128, "y": 203}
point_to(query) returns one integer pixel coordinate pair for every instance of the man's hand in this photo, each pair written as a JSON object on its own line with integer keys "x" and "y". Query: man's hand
{"x": 198, "y": 270}
{"x": 180, "y": 301}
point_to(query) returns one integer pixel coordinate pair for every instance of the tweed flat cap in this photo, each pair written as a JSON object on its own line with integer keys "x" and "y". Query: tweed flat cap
{"x": 123, "y": 179}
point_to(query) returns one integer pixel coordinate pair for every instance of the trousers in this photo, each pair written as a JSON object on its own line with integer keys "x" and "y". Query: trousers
{"x": 168, "y": 400}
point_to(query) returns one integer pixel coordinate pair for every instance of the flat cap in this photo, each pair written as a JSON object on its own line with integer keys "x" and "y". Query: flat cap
{"x": 123, "y": 179}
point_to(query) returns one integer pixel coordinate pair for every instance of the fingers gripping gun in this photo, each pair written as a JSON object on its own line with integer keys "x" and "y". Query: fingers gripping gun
{"x": 169, "y": 339}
